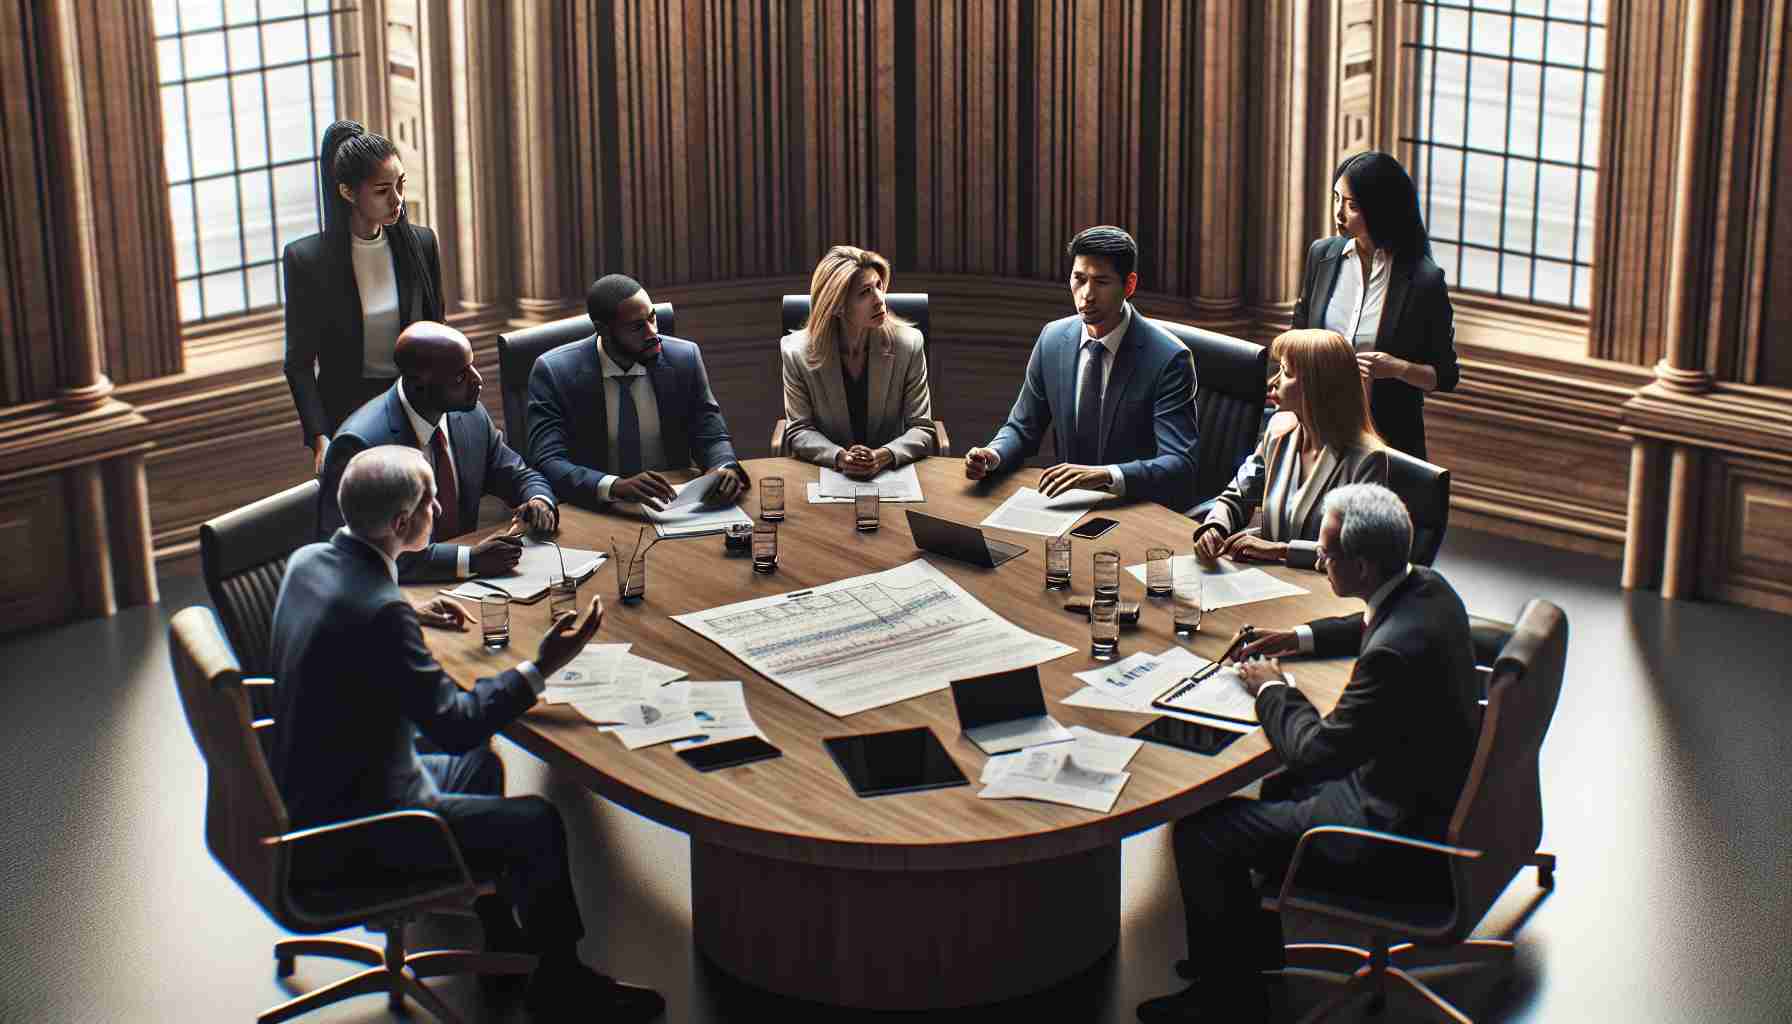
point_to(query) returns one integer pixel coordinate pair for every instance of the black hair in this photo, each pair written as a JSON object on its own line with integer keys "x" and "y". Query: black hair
{"x": 1389, "y": 203}
{"x": 1110, "y": 243}
{"x": 607, "y": 294}
{"x": 349, "y": 156}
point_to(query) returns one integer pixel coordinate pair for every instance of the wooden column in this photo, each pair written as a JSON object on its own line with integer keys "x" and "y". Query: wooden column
{"x": 91, "y": 561}
{"x": 1679, "y": 570}
{"x": 1682, "y": 367}
{"x": 1643, "y": 521}
{"x": 133, "y": 551}
{"x": 539, "y": 73}
{"x": 487, "y": 205}
{"x": 1283, "y": 190}
{"x": 1222, "y": 158}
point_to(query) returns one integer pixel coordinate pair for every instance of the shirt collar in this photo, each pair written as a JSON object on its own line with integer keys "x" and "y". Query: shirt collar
{"x": 424, "y": 429}
{"x": 611, "y": 369}
{"x": 391, "y": 564}
{"x": 1115, "y": 336}
{"x": 1381, "y": 593}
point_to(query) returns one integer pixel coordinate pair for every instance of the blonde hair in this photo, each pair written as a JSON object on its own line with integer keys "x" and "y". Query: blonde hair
{"x": 828, "y": 295}
{"x": 1333, "y": 401}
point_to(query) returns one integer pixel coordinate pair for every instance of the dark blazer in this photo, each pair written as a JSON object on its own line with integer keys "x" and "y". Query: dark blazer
{"x": 1148, "y": 422}
{"x": 1395, "y": 751}
{"x": 1417, "y": 325}
{"x": 323, "y": 323}
{"x": 1258, "y": 484}
{"x": 569, "y": 432}
{"x": 354, "y": 683}
{"x": 483, "y": 464}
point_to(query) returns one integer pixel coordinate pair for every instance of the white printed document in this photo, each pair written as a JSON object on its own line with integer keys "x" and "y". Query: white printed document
{"x": 871, "y": 640}
{"x": 590, "y": 675}
{"x": 1052, "y": 774}
{"x": 1093, "y": 750}
{"x": 1221, "y": 695}
{"x": 892, "y": 484}
{"x": 1227, "y": 585}
{"x": 1132, "y": 683}
{"x": 528, "y": 581}
{"x": 1028, "y": 511}
{"x": 697, "y": 711}
{"x": 688, "y": 519}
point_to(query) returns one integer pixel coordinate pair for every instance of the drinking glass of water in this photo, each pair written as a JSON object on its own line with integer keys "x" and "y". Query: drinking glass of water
{"x": 1185, "y": 598}
{"x": 494, "y": 620}
{"x": 1157, "y": 572}
{"x": 1104, "y": 628}
{"x": 771, "y": 498}
{"x": 765, "y": 547}
{"x": 1107, "y": 575}
{"x": 1057, "y": 562}
{"x": 866, "y": 501}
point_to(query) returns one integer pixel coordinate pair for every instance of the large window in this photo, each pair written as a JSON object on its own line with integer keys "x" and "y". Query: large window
{"x": 1507, "y": 142}
{"x": 248, "y": 87}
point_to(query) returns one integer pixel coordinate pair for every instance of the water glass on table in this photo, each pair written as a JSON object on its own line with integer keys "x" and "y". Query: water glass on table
{"x": 765, "y": 547}
{"x": 1057, "y": 562}
{"x": 771, "y": 498}
{"x": 1185, "y": 598}
{"x": 1107, "y": 575}
{"x": 865, "y": 502}
{"x": 1157, "y": 572}
{"x": 1104, "y": 628}
{"x": 494, "y": 621}
{"x": 631, "y": 578}
{"x": 563, "y": 596}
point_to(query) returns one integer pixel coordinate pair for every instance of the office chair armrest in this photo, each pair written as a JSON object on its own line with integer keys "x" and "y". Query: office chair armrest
{"x": 430, "y": 833}
{"x": 1387, "y": 838}
{"x": 942, "y": 442}
{"x": 778, "y": 430}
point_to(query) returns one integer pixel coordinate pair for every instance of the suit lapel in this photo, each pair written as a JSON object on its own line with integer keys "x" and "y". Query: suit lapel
{"x": 1063, "y": 354}
{"x": 830, "y": 387}
{"x": 1125, "y": 361}
{"x": 877, "y": 391}
{"x": 352, "y": 294}
{"x": 460, "y": 449}
{"x": 1321, "y": 480}
{"x": 1329, "y": 269}
{"x": 671, "y": 415}
{"x": 594, "y": 423}
{"x": 1399, "y": 285}
{"x": 398, "y": 422}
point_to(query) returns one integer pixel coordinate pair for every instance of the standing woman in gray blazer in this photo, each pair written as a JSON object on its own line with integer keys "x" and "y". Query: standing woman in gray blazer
{"x": 855, "y": 376}
{"x": 1321, "y": 439}
{"x": 354, "y": 286}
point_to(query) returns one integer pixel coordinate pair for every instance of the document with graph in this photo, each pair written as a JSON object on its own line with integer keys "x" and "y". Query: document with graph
{"x": 871, "y": 640}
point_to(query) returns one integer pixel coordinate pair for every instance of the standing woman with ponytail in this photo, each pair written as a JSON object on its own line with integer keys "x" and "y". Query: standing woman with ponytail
{"x": 352, "y": 287}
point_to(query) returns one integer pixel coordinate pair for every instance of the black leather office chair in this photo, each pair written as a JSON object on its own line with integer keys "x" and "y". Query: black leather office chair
{"x": 249, "y": 834}
{"x": 243, "y": 557}
{"x": 910, "y": 306}
{"x": 1425, "y": 489}
{"x": 1492, "y": 836}
{"x": 1231, "y": 378}
{"x": 517, "y": 352}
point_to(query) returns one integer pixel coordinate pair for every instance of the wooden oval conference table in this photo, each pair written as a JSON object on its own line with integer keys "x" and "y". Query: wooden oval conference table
{"x": 919, "y": 900}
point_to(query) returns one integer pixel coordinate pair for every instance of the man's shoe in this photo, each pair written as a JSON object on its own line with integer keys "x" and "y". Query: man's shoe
{"x": 575, "y": 991}
{"x": 1198, "y": 1003}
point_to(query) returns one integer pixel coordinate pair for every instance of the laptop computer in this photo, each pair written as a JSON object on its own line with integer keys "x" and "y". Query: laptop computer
{"x": 1005, "y": 711}
{"x": 956, "y": 540}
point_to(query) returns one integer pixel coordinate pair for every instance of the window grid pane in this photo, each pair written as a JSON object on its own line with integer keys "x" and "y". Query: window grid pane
{"x": 1512, "y": 216}
{"x": 247, "y": 87}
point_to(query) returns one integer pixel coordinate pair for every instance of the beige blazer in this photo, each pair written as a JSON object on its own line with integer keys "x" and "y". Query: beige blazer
{"x": 1293, "y": 511}
{"x": 898, "y": 408}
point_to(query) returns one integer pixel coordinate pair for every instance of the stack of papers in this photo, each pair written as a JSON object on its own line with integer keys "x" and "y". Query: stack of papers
{"x": 529, "y": 580}
{"x": 608, "y": 685}
{"x": 1225, "y": 585}
{"x": 1028, "y": 511}
{"x": 892, "y": 485}
{"x": 1133, "y": 682}
{"x": 695, "y": 713}
{"x": 686, "y": 516}
{"x": 1053, "y": 774}
{"x": 1096, "y": 751}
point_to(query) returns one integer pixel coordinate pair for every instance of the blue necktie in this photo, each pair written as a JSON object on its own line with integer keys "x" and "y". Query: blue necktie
{"x": 1087, "y": 441}
{"x": 628, "y": 427}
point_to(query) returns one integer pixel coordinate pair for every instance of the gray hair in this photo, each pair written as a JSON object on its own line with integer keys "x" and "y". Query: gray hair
{"x": 380, "y": 484}
{"x": 1372, "y": 524}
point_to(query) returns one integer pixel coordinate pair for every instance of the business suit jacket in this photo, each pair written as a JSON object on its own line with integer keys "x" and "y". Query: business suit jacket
{"x": 483, "y": 464}
{"x": 1260, "y": 483}
{"x": 898, "y": 408}
{"x": 1148, "y": 422}
{"x": 354, "y": 683}
{"x": 324, "y": 325}
{"x": 1395, "y": 751}
{"x": 569, "y": 434}
{"x": 1417, "y": 325}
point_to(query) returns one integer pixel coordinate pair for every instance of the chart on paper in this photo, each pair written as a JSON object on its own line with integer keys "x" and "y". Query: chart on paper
{"x": 871, "y": 640}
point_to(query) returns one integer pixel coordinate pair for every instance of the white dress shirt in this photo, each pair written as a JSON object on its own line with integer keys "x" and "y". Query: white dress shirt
{"x": 425, "y": 431}
{"x": 536, "y": 681}
{"x": 647, "y": 415}
{"x": 1116, "y": 479}
{"x": 378, "y": 285}
{"x": 1355, "y": 309}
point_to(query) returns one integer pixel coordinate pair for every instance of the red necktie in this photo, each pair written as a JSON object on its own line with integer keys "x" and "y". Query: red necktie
{"x": 447, "y": 488}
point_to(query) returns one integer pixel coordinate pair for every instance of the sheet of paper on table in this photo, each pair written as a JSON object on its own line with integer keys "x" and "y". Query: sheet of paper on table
{"x": 1133, "y": 682}
{"x": 1096, "y": 751}
{"x": 1028, "y": 511}
{"x": 892, "y": 484}
{"x": 1222, "y": 695}
{"x": 1229, "y": 584}
{"x": 590, "y": 674}
{"x": 539, "y": 565}
{"x": 693, "y": 520}
{"x": 871, "y": 640}
{"x": 1053, "y": 775}
{"x": 693, "y": 710}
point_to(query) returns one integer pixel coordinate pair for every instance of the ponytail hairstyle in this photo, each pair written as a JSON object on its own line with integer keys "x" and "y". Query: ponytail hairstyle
{"x": 349, "y": 156}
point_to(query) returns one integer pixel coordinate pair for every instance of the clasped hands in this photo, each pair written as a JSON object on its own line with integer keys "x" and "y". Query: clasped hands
{"x": 862, "y": 463}
{"x": 1242, "y": 546}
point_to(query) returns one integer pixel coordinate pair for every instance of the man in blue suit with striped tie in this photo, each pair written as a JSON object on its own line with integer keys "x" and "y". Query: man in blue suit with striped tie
{"x": 1116, "y": 391}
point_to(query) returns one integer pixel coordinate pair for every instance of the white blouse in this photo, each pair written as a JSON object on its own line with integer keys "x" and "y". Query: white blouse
{"x": 378, "y": 284}
{"x": 1355, "y": 309}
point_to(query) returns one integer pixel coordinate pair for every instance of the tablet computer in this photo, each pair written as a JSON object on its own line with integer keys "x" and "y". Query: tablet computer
{"x": 1191, "y": 736}
{"x": 899, "y": 761}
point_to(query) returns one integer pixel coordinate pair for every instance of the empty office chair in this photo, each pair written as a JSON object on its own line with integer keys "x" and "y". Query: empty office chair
{"x": 243, "y": 556}
{"x": 1231, "y": 379}
{"x": 517, "y": 352}
{"x": 1492, "y": 836}
{"x": 1425, "y": 489}
{"x": 247, "y": 831}
{"x": 910, "y": 306}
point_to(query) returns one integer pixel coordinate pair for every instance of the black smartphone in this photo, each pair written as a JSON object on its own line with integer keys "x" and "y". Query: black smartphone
{"x": 1094, "y": 528}
{"x": 729, "y": 753}
{"x": 1192, "y": 736}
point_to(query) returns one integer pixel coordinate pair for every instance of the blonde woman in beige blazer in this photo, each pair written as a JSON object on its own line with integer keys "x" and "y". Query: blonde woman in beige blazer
{"x": 1323, "y": 438}
{"x": 855, "y": 376}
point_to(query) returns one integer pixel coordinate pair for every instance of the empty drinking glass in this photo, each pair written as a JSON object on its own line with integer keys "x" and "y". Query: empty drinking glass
{"x": 1104, "y": 628}
{"x": 1157, "y": 572}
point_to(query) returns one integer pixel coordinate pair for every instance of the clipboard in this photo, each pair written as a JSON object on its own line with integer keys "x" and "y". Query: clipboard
{"x": 1165, "y": 701}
